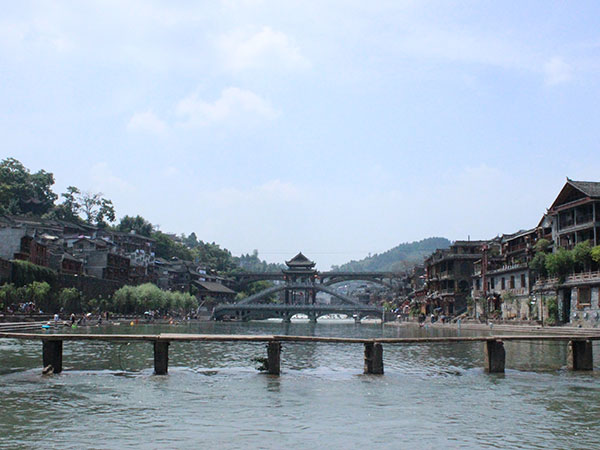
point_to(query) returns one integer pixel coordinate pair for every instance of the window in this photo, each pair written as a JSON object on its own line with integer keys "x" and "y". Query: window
{"x": 492, "y": 283}
{"x": 584, "y": 297}
{"x": 512, "y": 281}
{"x": 503, "y": 284}
{"x": 523, "y": 282}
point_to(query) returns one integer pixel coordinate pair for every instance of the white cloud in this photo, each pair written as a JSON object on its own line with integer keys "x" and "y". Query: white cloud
{"x": 556, "y": 71}
{"x": 234, "y": 103}
{"x": 104, "y": 180}
{"x": 266, "y": 48}
{"x": 147, "y": 122}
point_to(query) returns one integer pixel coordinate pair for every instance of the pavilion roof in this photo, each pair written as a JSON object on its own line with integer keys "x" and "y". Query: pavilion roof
{"x": 299, "y": 261}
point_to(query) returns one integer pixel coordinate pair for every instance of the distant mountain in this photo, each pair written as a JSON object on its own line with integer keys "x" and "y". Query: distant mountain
{"x": 401, "y": 257}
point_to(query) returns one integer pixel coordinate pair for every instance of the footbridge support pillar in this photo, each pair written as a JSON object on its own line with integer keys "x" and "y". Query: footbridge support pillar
{"x": 274, "y": 358}
{"x": 495, "y": 356}
{"x": 52, "y": 356}
{"x": 373, "y": 358}
{"x": 579, "y": 355}
{"x": 161, "y": 357}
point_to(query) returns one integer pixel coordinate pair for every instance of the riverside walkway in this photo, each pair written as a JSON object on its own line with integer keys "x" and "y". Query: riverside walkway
{"x": 580, "y": 355}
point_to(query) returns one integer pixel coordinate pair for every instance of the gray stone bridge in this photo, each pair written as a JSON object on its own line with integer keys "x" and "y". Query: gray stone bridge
{"x": 329, "y": 278}
{"x": 254, "y": 307}
{"x": 300, "y": 283}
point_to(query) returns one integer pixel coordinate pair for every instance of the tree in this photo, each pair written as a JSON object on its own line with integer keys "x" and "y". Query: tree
{"x": 22, "y": 192}
{"x": 167, "y": 248}
{"x": 541, "y": 245}
{"x": 538, "y": 263}
{"x": 582, "y": 256}
{"x": 595, "y": 254}
{"x": 191, "y": 241}
{"x": 559, "y": 263}
{"x": 70, "y": 207}
{"x": 138, "y": 224}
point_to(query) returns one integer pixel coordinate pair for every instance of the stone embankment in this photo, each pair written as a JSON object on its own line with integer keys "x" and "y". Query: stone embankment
{"x": 476, "y": 326}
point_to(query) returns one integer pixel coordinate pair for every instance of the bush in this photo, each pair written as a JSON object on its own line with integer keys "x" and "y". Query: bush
{"x": 552, "y": 308}
{"x": 138, "y": 299}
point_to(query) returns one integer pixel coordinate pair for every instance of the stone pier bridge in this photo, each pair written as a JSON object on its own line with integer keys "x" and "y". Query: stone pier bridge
{"x": 300, "y": 283}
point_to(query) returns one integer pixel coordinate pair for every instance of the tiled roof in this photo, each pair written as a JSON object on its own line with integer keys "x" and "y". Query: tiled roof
{"x": 589, "y": 188}
{"x": 214, "y": 287}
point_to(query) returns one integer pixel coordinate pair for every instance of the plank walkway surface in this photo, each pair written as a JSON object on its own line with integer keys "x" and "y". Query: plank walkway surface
{"x": 579, "y": 347}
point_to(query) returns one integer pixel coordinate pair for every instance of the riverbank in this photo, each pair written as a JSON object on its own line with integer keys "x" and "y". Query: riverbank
{"x": 476, "y": 326}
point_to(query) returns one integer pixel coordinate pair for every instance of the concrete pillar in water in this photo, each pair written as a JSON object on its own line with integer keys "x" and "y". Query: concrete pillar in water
{"x": 52, "y": 356}
{"x": 274, "y": 358}
{"x": 495, "y": 356}
{"x": 161, "y": 357}
{"x": 373, "y": 358}
{"x": 580, "y": 356}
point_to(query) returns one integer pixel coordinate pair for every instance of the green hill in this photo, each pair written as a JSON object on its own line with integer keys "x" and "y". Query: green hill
{"x": 401, "y": 257}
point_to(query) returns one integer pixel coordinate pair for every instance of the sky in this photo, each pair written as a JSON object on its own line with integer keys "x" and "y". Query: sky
{"x": 335, "y": 128}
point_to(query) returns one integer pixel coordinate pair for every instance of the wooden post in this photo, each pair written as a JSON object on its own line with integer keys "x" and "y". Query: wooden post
{"x": 52, "y": 356}
{"x": 373, "y": 358}
{"x": 495, "y": 356}
{"x": 579, "y": 355}
{"x": 274, "y": 358}
{"x": 161, "y": 357}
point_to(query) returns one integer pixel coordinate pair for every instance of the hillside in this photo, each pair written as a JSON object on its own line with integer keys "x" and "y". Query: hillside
{"x": 401, "y": 257}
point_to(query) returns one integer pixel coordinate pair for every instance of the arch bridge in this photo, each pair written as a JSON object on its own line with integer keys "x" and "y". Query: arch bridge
{"x": 258, "y": 306}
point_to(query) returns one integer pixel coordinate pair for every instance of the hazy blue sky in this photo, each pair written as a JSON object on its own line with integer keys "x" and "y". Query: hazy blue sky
{"x": 333, "y": 127}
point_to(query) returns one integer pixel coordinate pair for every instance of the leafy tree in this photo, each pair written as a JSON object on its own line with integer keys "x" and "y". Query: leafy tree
{"x": 595, "y": 254}
{"x": 582, "y": 255}
{"x": 538, "y": 263}
{"x": 559, "y": 263}
{"x": 542, "y": 245}
{"x": 96, "y": 209}
{"x": 70, "y": 207}
{"x": 71, "y": 300}
{"x": 91, "y": 208}
{"x": 22, "y": 192}
{"x": 252, "y": 263}
{"x": 138, "y": 224}
{"x": 167, "y": 248}
{"x": 191, "y": 241}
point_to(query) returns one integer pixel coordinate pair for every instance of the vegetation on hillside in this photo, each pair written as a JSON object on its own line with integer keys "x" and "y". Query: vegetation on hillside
{"x": 401, "y": 257}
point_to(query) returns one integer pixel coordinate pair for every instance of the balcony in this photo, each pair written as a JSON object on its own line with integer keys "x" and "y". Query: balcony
{"x": 583, "y": 219}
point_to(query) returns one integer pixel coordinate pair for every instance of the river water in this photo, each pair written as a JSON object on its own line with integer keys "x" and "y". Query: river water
{"x": 431, "y": 396}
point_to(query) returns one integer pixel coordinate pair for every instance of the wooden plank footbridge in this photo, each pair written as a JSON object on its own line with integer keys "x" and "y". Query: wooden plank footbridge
{"x": 579, "y": 347}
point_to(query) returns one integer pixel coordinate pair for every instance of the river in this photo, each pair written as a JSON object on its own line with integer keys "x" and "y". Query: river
{"x": 431, "y": 396}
